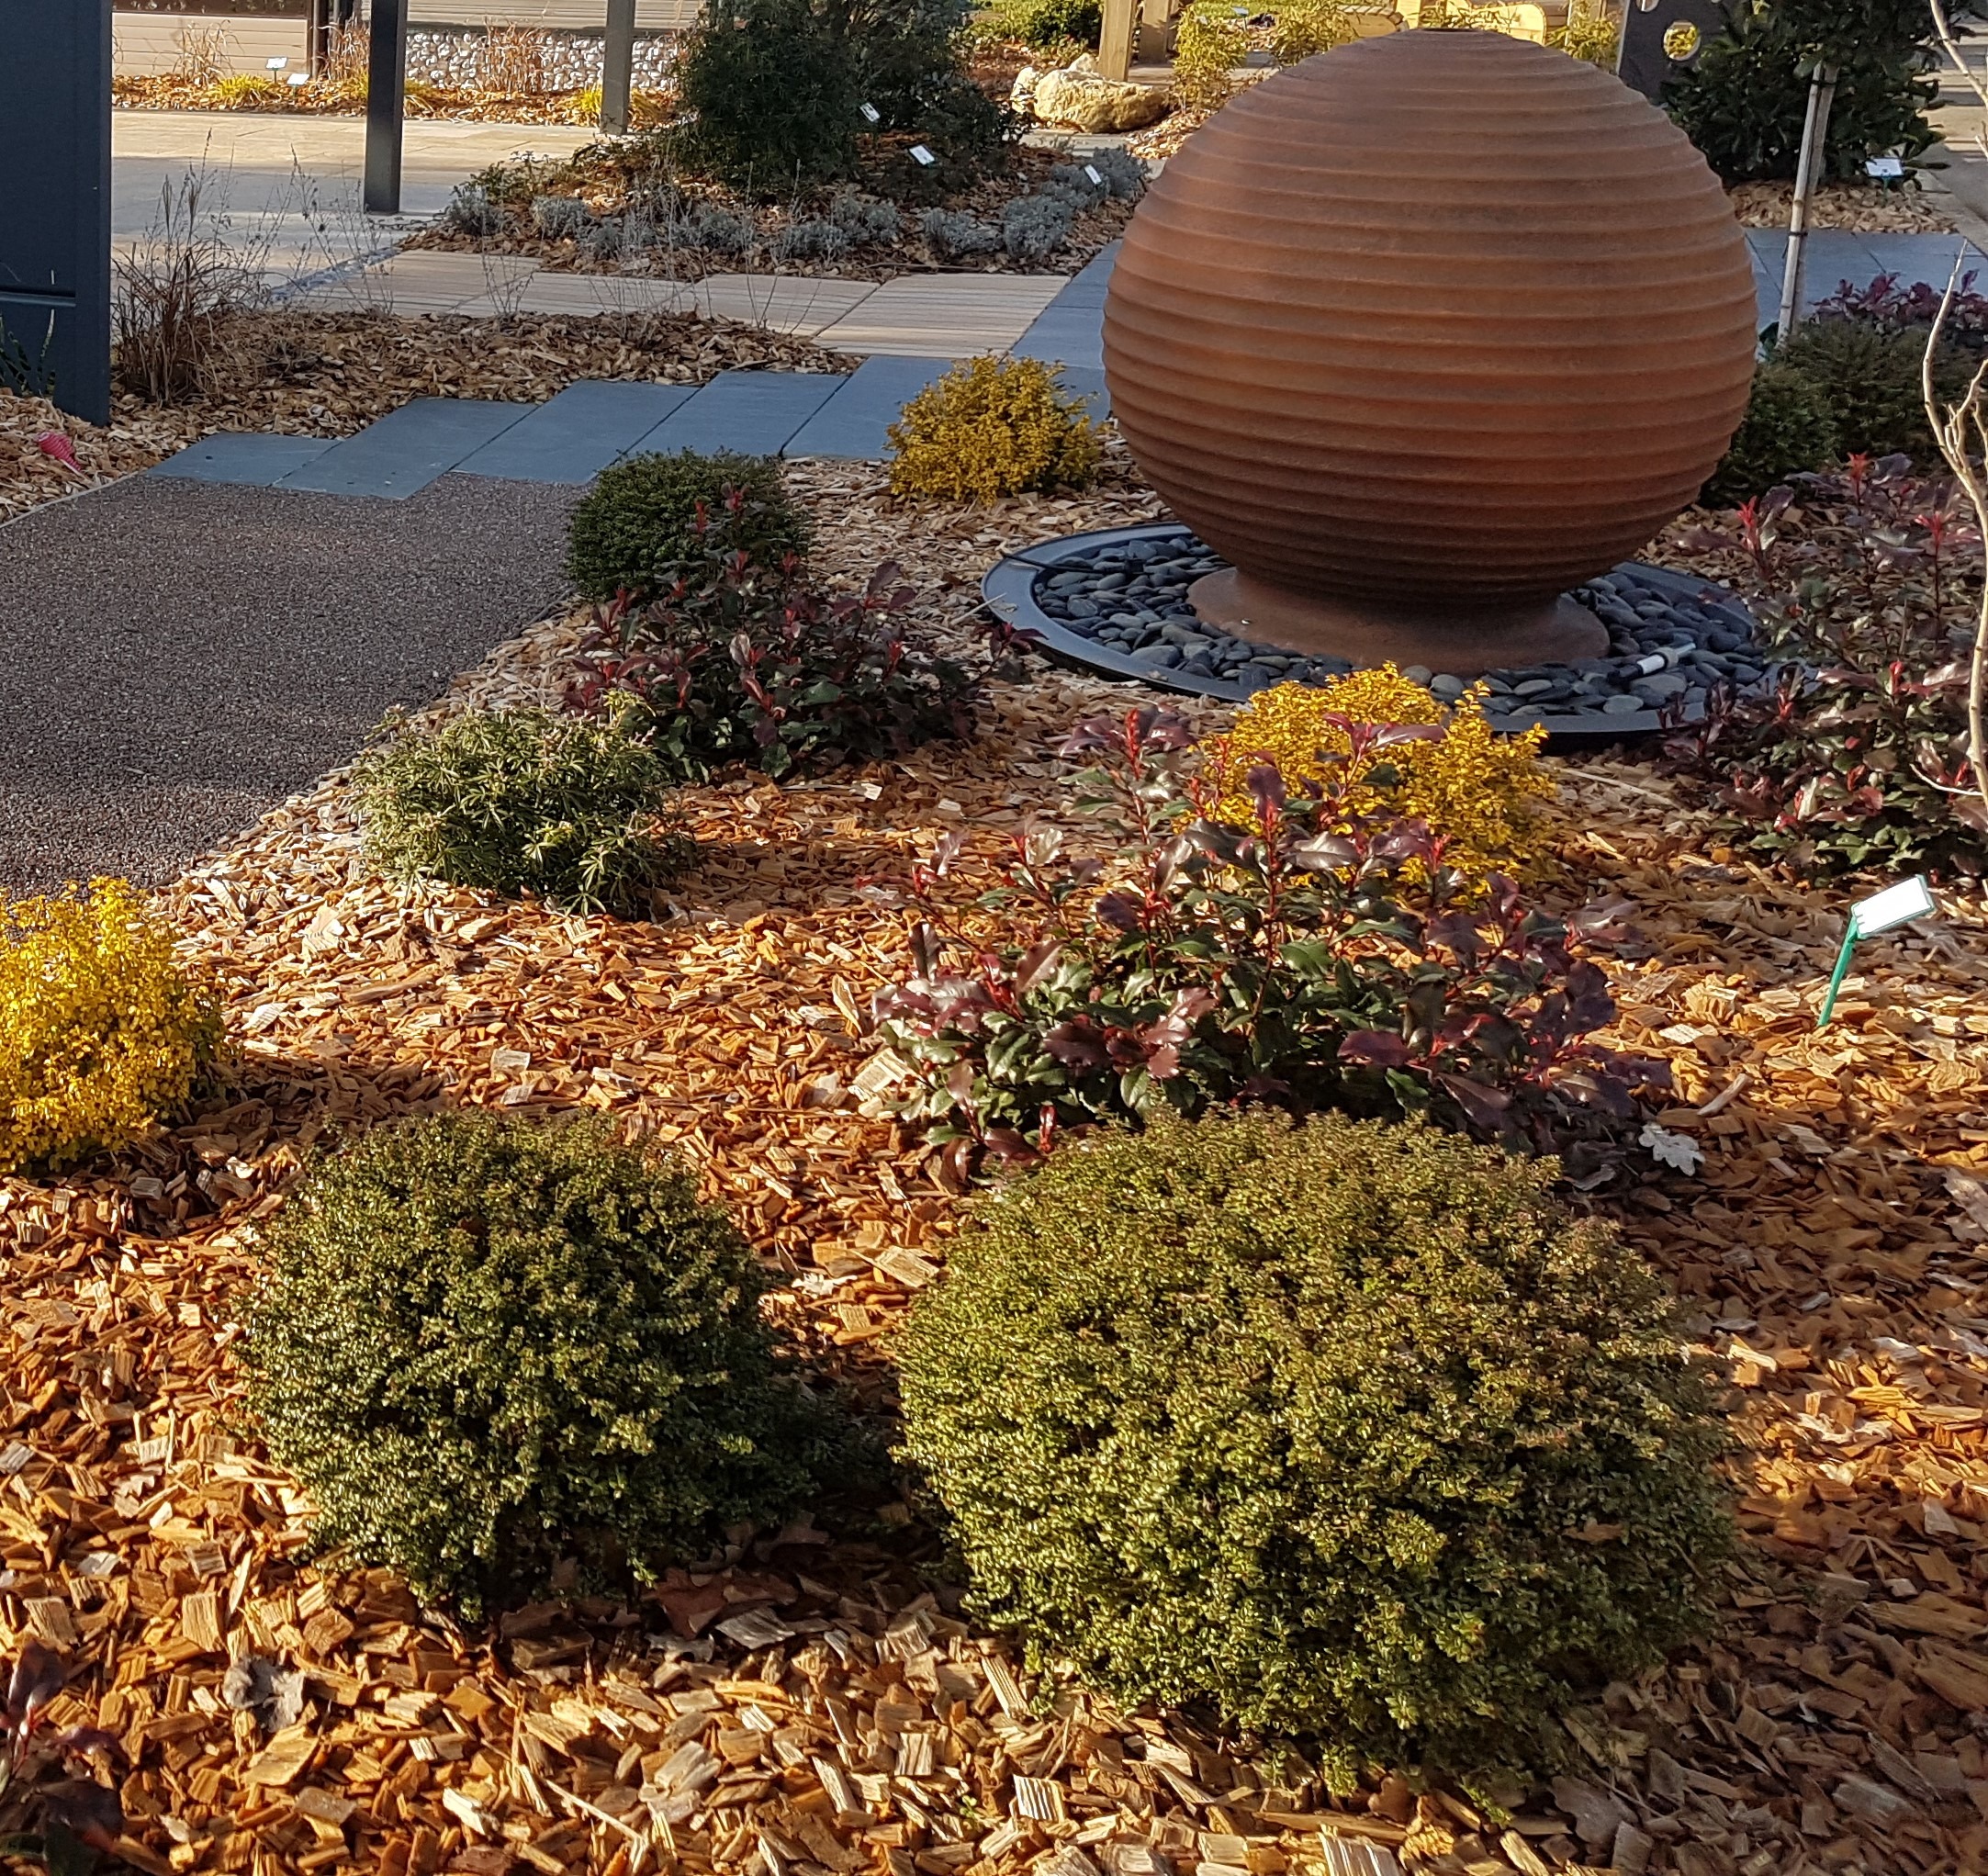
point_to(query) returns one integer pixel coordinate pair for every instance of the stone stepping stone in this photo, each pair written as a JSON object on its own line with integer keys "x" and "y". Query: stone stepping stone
{"x": 406, "y": 449}
{"x": 856, "y": 421}
{"x": 753, "y": 413}
{"x": 245, "y": 457}
{"x": 579, "y": 433}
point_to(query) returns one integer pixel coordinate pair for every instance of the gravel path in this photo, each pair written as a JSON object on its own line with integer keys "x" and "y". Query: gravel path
{"x": 176, "y": 659}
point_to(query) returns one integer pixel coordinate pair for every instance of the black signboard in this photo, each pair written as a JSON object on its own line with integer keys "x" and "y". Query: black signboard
{"x": 1663, "y": 38}
{"x": 56, "y": 202}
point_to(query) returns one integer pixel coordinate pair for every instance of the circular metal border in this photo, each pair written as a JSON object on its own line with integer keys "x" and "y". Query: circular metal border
{"x": 1009, "y": 589}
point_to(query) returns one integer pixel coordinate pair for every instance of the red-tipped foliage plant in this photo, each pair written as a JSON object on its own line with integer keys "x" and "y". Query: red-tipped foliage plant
{"x": 1347, "y": 970}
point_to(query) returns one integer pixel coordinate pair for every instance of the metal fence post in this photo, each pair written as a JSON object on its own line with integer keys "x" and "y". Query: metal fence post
{"x": 55, "y": 205}
{"x": 618, "y": 67}
{"x": 386, "y": 77}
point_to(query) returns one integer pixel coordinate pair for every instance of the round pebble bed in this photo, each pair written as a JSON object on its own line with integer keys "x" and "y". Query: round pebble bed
{"x": 1117, "y": 601}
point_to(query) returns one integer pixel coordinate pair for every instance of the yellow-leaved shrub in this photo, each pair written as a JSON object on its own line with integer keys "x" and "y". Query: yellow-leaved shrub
{"x": 103, "y": 1031}
{"x": 1476, "y": 788}
{"x": 993, "y": 427}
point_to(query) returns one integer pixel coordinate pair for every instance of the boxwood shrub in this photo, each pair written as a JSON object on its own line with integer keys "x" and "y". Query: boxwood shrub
{"x": 1346, "y": 1428}
{"x": 485, "y": 1345}
{"x": 640, "y": 517}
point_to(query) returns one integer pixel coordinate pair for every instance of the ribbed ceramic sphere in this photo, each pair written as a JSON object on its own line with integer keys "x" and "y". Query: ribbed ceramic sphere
{"x": 1425, "y": 331}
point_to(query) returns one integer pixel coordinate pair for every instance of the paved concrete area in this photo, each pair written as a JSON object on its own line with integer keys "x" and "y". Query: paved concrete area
{"x": 283, "y": 192}
{"x": 236, "y": 644}
{"x": 917, "y": 315}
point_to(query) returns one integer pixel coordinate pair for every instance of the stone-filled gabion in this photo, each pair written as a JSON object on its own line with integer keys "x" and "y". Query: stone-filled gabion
{"x": 449, "y": 54}
{"x": 1671, "y": 639}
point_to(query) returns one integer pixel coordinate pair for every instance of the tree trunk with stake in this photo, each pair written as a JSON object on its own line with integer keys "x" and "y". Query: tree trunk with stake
{"x": 1808, "y": 168}
{"x": 1961, "y": 430}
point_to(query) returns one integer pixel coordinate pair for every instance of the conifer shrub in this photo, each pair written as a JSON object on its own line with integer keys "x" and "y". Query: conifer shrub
{"x": 574, "y": 812}
{"x": 1346, "y": 1429}
{"x": 641, "y": 518}
{"x": 989, "y": 428}
{"x": 103, "y": 1031}
{"x": 486, "y": 1345}
{"x": 1788, "y": 430}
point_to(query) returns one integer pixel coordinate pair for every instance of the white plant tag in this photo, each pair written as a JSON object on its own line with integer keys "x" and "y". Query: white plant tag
{"x": 920, "y": 154}
{"x": 1899, "y": 905}
{"x": 871, "y": 113}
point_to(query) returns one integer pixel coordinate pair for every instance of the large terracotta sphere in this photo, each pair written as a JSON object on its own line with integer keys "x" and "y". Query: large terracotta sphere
{"x": 1423, "y": 331}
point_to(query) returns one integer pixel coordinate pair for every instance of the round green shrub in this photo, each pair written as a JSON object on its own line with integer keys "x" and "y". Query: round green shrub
{"x": 1051, "y": 23}
{"x": 485, "y": 1345}
{"x": 516, "y": 801}
{"x": 774, "y": 89}
{"x": 642, "y": 515}
{"x": 1346, "y": 1428}
{"x": 1787, "y": 431}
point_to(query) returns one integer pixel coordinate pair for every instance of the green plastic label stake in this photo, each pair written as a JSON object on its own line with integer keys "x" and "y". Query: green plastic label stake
{"x": 1899, "y": 905}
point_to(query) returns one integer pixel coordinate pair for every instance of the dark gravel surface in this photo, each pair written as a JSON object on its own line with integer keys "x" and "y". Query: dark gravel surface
{"x": 1671, "y": 640}
{"x": 178, "y": 658}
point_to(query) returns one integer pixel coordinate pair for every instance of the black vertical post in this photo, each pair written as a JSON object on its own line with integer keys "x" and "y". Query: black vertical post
{"x": 1645, "y": 63}
{"x": 56, "y": 202}
{"x": 618, "y": 67}
{"x": 387, "y": 78}
{"x": 315, "y": 29}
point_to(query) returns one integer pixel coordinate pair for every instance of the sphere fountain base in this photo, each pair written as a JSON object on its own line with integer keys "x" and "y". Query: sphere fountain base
{"x": 1116, "y": 603}
{"x": 1440, "y": 638}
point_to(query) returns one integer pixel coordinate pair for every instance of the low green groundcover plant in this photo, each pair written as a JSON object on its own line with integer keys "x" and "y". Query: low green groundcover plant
{"x": 485, "y": 1345}
{"x": 641, "y": 517}
{"x": 572, "y": 811}
{"x": 1346, "y": 1429}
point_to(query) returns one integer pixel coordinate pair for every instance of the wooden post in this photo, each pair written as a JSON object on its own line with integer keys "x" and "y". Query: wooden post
{"x": 618, "y": 68}
{"x": 1115, "y": 43}
{"x": 386, "y": 101}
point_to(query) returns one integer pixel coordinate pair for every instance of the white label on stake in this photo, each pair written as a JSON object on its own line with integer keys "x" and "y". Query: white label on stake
{"x": 1899, "y": 905}
{"x": 920, "y": 154}
{"x": 296, "y": 78}
{"x": 279, "y": 64}
{"x": 1090, "y": 169}
{"x": 871, "y": 112}
{"x": 1886, "y": 168}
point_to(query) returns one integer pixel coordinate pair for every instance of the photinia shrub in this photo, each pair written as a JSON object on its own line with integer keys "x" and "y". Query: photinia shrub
{"x": 1352, "y": 968}
{"x": 739, "y": 659}
{"x": 1864, "y": 583}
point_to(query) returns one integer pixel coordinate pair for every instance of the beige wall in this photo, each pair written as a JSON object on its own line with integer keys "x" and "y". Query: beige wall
{"x": 149, "y": 44}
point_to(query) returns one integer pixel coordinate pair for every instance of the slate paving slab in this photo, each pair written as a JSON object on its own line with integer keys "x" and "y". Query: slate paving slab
{"x": 752, "y": 412}
{"x": 405, "y": 450}
{"x": 177, "y": 656}
{"x": 244, "y": 457}
{"x": 856, "y": 421}
{"x": 578, "y": 434}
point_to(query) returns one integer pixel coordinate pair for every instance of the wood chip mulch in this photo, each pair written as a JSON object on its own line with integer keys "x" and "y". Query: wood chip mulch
{"x": 1863, "y": 208}
{"x": 822, "y": 1706}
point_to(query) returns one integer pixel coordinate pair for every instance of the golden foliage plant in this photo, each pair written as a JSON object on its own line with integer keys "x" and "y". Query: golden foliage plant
{"x": 102, "y": 1031}
{"x": 993, "y": 427}
{"x": 1476, "y": 790}
{"x": 1210, "y": 41}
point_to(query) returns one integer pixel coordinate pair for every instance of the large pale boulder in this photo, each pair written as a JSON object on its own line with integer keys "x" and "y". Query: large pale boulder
{"x": 1082, "y": 97}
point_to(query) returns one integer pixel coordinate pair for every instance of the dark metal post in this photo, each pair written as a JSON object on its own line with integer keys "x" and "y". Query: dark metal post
{"x": 1662, "y": 39}
{"x": 314, "y": 31}
{"x": 387, "y": 78}
{"x": 618, "y": 67}
{"x": 55, "y": 206}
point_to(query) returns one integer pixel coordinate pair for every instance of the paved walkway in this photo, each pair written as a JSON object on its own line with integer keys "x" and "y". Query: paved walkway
{"x": 1836, "y": 255}
{"x": 917, "y": 315}
{"x": 175, "y": 660}
{"x": 283, "y": 192}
